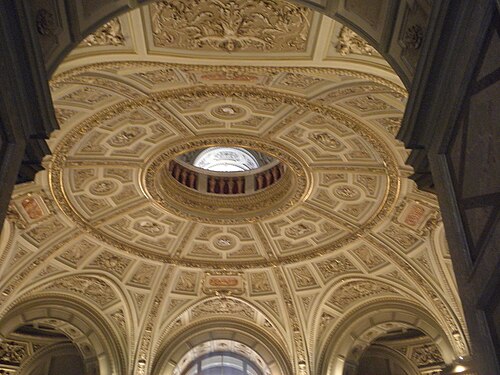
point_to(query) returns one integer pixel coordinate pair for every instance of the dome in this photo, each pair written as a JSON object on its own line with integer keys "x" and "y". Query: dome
{"x": 226, "y": 182}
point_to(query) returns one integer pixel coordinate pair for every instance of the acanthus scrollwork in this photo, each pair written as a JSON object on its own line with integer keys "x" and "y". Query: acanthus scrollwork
{"x": 230, "y": 25}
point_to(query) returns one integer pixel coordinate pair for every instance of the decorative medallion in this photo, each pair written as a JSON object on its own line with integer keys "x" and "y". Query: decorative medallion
{"x": 346, "y": 192}
{"x": 225, "y": 242}
{"x": 103, "y": 187}
{"x": 228, "y": 112}
{"x": 149, "y": 228}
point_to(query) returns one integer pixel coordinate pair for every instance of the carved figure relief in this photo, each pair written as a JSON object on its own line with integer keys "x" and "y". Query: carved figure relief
{"x": 299, "y": 230}
{"x": 356, "y": 290}
{"x": 230, "y": 25}
{"x": 103, "y": 187}
{"x": 327, "y": 141}
{"x": 325, "y": 320}
{"x": 425, "y": 355}
{"x": 369, "y": 182}
{"x": 93, "y": 205}
{"x": 126, "y": 136}
{"x": 260, "y": 282}
{"x": 368, "y": 103}
{"x": 186, "y": 282}
{"x": 149, "y": 228}
{"x": 78, "y": 251}
{"x": 333, "y": 267}
{"x": 109, "y": 34}
{"x": 346, "y": 192}
{"x": 89, "y": 287}
{"x": 399, "y": 236}
{"x": 303, "y": 277}
{"x": 144, "y": 274}
{"x": 350, "y": 42}
{"x": 228, "y": 112}
{"x": 112, "y": 262}
{"x": 159, "y": 76}
{"x": 391, "y": 124}
{"x": 299, "y": 81}
{"x": 63, "y": 115}
{"x": 223, "y": 305}
{"x": 87, "y": 95}
{"x": 46, "y": 22}
{"x": 81, "y": 176}
{"x": 119, "y": 317}
{"x": 44, "y": 230}
{"x": 224, "y": 242}
{"x": 12, "y": 352}
{"x": 413, "y": 37}
{"x": 369, "y": 257}
{"x": 229, "y": 75}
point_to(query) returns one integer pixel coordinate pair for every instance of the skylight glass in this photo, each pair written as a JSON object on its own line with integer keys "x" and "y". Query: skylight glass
{"x": 226, "y": 159}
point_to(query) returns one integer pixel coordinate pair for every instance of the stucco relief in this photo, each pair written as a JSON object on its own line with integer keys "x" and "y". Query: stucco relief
{"x": 324, "y": 123}
{"x": 230, "y": 26}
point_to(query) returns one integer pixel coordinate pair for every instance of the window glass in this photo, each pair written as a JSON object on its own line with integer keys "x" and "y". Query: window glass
{"x": 226, "y": 159}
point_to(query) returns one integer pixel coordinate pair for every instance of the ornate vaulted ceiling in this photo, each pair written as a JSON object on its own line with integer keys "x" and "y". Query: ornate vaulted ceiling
{"x": 348, "y": 231}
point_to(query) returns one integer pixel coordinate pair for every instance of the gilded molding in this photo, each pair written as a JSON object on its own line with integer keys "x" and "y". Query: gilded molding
{"x": 293, "y": 188}
{"x": 230, "y": 26}
{"x": 230, "y": 70}
{"x": 450, "y": 321}
{"x": 59, "y": 161}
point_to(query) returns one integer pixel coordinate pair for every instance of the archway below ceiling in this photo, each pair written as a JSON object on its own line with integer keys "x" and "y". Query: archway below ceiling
{"x": 381, "y": 360}
{"x": 55, "y": 360}
{"x": 359, "y": 329}
{"x": 395, "y": 28}
{"x": 174, "y": 350}
{"x": 88, "y": 333}
{"x": 222, "y": 356}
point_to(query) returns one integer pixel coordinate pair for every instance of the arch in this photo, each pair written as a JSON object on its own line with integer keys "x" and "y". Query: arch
{"x": 215, "y": 348}
{"x": 333, "y": 286}
{"x": 395, "y": 357}
{"x": 279, "y": 337}
{"x": 174, "y": 348}
{"x": 42, "y": 359}
{"x": 7, "y": 232}
{"x": 94, "y": 337}
{"x": 340, "y": 348}
{"x": 394, "y": 28}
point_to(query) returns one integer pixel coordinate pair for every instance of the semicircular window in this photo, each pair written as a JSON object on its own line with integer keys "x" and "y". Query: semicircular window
{"x": 222, "y": 364}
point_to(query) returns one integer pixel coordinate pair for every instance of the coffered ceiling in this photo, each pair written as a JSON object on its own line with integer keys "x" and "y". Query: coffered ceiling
{"x": 348, "y": 232}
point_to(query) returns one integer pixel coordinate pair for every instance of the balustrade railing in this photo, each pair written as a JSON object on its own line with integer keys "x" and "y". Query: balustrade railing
{"x": 206, "y": 181}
